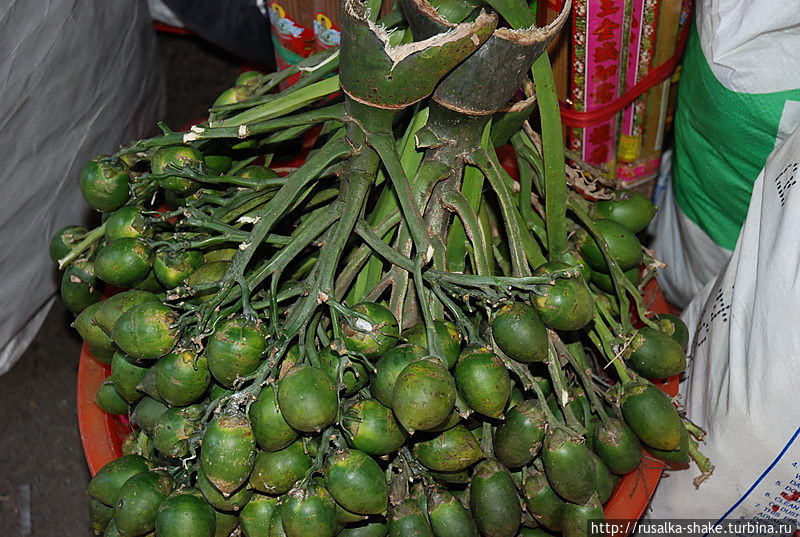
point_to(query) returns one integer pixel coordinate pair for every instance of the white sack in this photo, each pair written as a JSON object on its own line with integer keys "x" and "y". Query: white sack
{"x": 78, "y": 78}
{"x": 744, "y": 367}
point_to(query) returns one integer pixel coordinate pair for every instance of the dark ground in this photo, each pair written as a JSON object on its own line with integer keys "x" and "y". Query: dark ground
{"x": 43, "y": 474}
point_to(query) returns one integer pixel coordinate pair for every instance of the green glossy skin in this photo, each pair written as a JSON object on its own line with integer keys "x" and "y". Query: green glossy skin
{"x": 448, "y": 517}
{"x": 80, "y": 288}
{"x": 276, "y": 472}
{"x": 150, "y": 283}
{"x": 125, "y": 222}
{"x": 90, "y": 332}
{"x": 248, "y": 78}
{"x": 101, "y": 355}
{"x": 258, "y": 172}
{"x": 374, "y": 337}
{"x": 572, "y": 258}
{"x": 448, "y": 335}
{"x": 111, "y": 530}
{"x": 484, "y": 383}
{"x": 126, "y": 374}
{"x": 651, "y": 415}
{"x": 173, "y": 429}
{"x": 534, "y": 532}
{"x": 104, "y": 185}
{"x": 146, "y": 331}
{"x": 138, "y": 443}
{"x": 229, "y": 452}
{"x": 452, "y": 420}
{"x": 460, "y": 478}
{"x": 307, "y": 399}
{"x": 655, "y": 354}
{"x": 424, "y": 395}
{"x": 235, "y": 350}
{"x": 605, "y": 283}
{"x": 630, "y": 208}
{"x": 185, "y": 515}
{"x": 225, "y": 524}
{"x": 546, "y": 507}
{"x": 105, "y": 485}
{"x": 173, "y": 268}
{"x": 112, "y": 308}
{"x": 373, "y": 428}
{"x": 99, "y": 515}
{"x": 606, "y": 481}
{"x": 567, "y": 304}
{"x": 146, "y": 413}
{"x": 124, "y": 262}
{"x": 212, "y": 271}
{"x": 569, "y": 466}
{"x": 308, "y": 512}
{"x": 218, "y": 164}
{"x": 493, "y": 500}
{"x": 354, "y": 376}
{"x": 182, "y": 378}
{"x": 270, "y": 429}
{"x": 256, "y": 516}
{"x": 576, "y": 518}
{"x": 356, "y": 482}
{"x": 677, "y": 457}
{"x": 408, "y": 520}
{"x": 674, "y": 327}
{"x": 451, "y": 451}
{"x": 276, "y": 525}
{"x": 64, "y": 240}
{"x": 518, "y": 331}
{"x": 343, "y": 516}
{"x": 618, "y": 446}
{"x": 110, "y": 400}
{"x": 231, "y": 96}
{"x": 234, "y": 502}
{"x": 139, "y": 499}
{"x": 176, "y": 157}
{"x": 367, "y": 528}
{"x": 215, "y": 391}
{"x": 519, "y": 438}
{"x": 389, "y": 367}
{"x": 623, "y": 245}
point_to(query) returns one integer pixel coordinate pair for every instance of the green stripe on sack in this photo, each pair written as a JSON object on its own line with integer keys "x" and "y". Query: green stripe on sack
{"x": 722, "y": 140}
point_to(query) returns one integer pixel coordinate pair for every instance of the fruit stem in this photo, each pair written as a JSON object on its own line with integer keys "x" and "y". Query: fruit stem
{"x": 602, "y": 338}
{"x": 574, "y": 354}
{"x": 560, "y": 384}
{"x": 703, "y": 463}
{"x": 88, "y": 240}
{"x": 694, "y": 429}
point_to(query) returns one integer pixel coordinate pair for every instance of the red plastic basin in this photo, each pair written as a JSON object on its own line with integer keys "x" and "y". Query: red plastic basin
{"x": 102, "y": 434}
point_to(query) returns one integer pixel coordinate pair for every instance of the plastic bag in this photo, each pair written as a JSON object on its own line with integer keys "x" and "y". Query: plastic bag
{"x": 743, "y": 367}
{"x": 739, "y": 93}
{"x": 79, "y": 78}
{"x": 241, "y": 27}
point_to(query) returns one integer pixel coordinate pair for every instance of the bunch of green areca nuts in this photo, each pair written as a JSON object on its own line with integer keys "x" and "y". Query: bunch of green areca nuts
{"x": 394, "y": 338}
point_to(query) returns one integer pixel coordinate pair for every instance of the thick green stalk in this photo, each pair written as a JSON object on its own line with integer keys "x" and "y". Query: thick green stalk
{"x": 272, "y": 212}
{"x": 472, "y": 191}
{"x": 553, "y": 152}
{"x": 284, "y": 104}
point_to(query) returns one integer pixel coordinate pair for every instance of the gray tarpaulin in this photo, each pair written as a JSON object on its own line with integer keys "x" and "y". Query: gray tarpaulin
{"x": 77, "y": 78}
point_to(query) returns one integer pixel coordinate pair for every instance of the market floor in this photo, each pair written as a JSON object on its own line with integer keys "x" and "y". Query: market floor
{"x": 43, "y": 474}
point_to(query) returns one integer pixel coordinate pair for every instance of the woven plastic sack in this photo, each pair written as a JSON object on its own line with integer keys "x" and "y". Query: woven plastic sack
{"x": 739, "y": 96}
{"x": 79, "y": 77}
{"x": 743, "y": 364}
